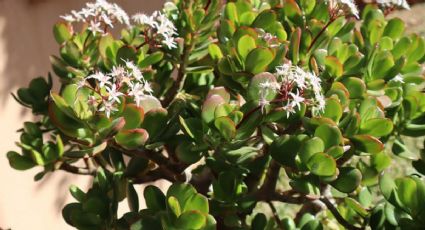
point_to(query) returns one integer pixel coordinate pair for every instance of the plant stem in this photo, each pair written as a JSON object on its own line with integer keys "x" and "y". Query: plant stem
{"x": 338, "y": 216}
{"x": 271, "y": 176}
{"x": 76, "y": 170}
{"x": 181, "y": 75}
{"x": 320, "y": 33}
{"x": 169, "y": 170}
{"x": 276, "y": 216}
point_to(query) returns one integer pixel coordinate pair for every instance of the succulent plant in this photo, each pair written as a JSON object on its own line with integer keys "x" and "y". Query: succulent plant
{"x": 236, "y": 104}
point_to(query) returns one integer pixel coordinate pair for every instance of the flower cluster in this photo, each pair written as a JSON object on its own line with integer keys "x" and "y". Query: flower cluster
{"x": 125, "y": 80}
{"x": 99, "y": 15}
{"x": 393, "y": 3}
{"x": 158, "y": 28}
{"x": 347, "y": 7}
{"x": 295, "y": 86}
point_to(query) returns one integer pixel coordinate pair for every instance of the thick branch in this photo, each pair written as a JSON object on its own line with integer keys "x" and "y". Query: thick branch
{"x": 338, "y": 216}
{"x": 276, "y": 216}
{"x": 168, "y": 170}
{"x": 181, "y": 74}
{"x": 152, "y": 176}
{"x": 271, "y": 176}
{"x": 76, "y": 170}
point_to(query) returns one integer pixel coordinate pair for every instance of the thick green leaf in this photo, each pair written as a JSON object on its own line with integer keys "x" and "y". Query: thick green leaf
{"x": 209, "y": 106}
{"x": 334, "y": 67}
{"x": 77, "y": 193}
{"x": 19, "y": 162}
{"x": 333, "y": 109}
{"x": 186, "y": 153}
{"x": 256, "y": 90}
{"x": 330, "y": 135}
{"x": 215, "y": 52}
{"x": 226, "y": 127}
{"x": 126, "y": 53}
{"x": 151, "y": 59}
{"x": 258, "y": 60}
{"x": 191, "y": 220}
{"x": 149, "y": 102}
{"x": 348, "y": 180}
{"x": 377, "y": 127}
{"x": 284, "y": 149}
{"x": 133, "y": 116}
{"x": 174, "y": 206}
{"x": 132, "y": 139}
{"x": 394, "y": 28}
{"x": 245, "y": 44}
{"x": 155, "y": 122}
{"x": 154, "y": 198}
{"x": 62, "y": 32}
{"x": 221, "y": 91}
{"x": 322, "y": 164}
{"x": 310, "y": 147}
{"x": 197, "y": 202}
{"x": 367, "y": 144}
{"x": 355, "y": 86}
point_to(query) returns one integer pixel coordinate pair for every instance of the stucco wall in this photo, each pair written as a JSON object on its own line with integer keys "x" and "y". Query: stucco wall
{"x": 26, "y": 42}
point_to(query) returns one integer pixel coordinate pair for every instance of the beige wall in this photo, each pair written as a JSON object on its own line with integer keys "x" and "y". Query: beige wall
{"x": 25, "y": 44}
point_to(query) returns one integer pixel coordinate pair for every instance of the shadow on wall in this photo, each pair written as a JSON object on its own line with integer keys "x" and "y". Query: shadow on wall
{"x": 26, "y": 42}
{"x": 26, "y": 39}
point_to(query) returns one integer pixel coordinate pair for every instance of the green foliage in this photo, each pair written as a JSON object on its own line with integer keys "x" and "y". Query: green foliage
{"x": 247, "y": 103}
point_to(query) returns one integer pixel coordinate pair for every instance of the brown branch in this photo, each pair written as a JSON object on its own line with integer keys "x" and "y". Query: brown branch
{"x": 320, "y": 33}
{"x": 276, "y": 216}
{"x": 168, "y": 169}
{"x": 271, "y": 176}
{"x": 181, "y": 74}
{"x": 151, "y": 176}
{"x": 338, "y": 216}
{"x": 76, "y": 170}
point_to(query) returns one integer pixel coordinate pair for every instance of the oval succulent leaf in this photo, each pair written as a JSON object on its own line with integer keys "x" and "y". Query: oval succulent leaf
{"x": 132, "y": 139}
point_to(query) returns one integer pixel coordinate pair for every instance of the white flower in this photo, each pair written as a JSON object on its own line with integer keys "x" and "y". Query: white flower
{"x": 391, "y": 3}
{"x": 169, "y": 42}
{"x": 121, "y": 15}
{"x": 289, "y": 109}
{"x": 301, "y": 87}
{"x": 68, "y": 18}
{"x": 283, "y": 69}
{"x": 147, "y": 88}
{"x": 102, "y": 78}
{"x": 320, "y": 103}
{"x": 87, "y": 12}
{"x": 296, "y": 99}
{"x": 269, "y": 85}
{"x": 78, "y": 17}
{"x": 346, "y": 148}
{"x": 108, "y": 107}
{"x": 113, "y": 94}
{"x": 98, "y": 13}
{"x": 135, "y": 71}
{"x": 137, "y": 91}
{"x": 107, "y": 20}
{"x": 95, "y": 27}
{"x": 158, "y": 24}
{"x": 263, "y": 102}
{"x": 143, "y": 19}
{"x": 398, "y": 78}
{"x": 346, "y": 6}
{"x": 118, "y": 71}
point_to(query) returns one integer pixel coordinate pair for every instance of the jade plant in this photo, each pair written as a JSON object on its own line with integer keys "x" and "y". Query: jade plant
{"x": 279, "y": 114}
